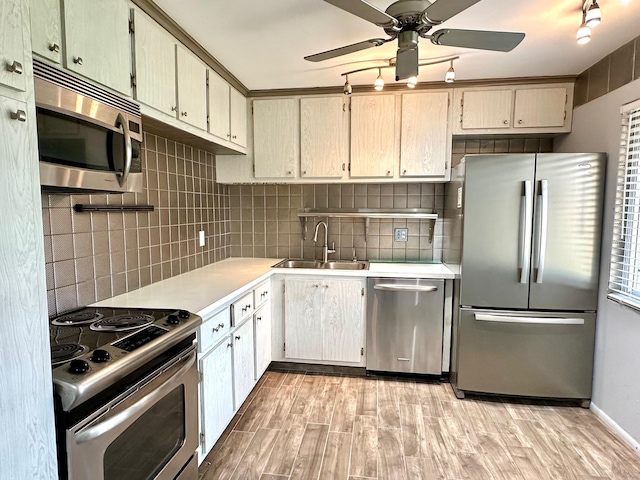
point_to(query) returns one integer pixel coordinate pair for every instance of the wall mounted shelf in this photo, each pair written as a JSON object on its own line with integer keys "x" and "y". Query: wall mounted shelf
{"x": 367, "y": 214}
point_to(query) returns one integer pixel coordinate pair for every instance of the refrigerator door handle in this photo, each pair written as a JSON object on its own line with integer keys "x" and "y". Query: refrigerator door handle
{"x": 526, "y": 236}
{"x": 544, "y": 216}
{"x": 485, "y": 317}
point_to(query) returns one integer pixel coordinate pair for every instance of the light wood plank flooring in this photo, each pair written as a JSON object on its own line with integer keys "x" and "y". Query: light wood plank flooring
{"x": 321, "y": 427}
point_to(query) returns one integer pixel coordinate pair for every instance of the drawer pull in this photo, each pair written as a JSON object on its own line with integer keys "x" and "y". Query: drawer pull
{"x": 221, "y": 325}
{"x": 237, "y": 337}
{"x": 229, "y": 345}
{"x": 402, "y": 359}
{"x": 19, "y": 115}
{"x": 15, "y": 67}
{"x": 216, "y": 329}
{"x": 258, "y": 318}
{"x": 77, "y": 60}
{"x": 54, "y": 47}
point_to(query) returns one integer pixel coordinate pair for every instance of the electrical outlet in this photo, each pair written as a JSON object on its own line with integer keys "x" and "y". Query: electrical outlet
{"x": 401, "y": 234}
{"x": 201, "y": 237}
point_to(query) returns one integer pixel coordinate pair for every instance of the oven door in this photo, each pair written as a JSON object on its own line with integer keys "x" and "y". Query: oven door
{"x": 149, "y": 432}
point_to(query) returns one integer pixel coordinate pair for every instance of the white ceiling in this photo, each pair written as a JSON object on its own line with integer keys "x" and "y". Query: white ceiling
{"x": 263, "y": 42}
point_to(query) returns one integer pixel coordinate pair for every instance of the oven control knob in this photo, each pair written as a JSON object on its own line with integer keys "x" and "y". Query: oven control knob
{"x": 78, "y": 366}
{"x": 184, "y": 314}
{"x": 100, "y": 356}
{"x": 173, "y": 320}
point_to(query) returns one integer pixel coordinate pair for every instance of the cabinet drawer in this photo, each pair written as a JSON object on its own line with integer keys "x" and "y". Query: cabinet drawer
{"x": 261, "y": 293}
{"x": 241, "y": 309}
{"x": 213, "y": 329}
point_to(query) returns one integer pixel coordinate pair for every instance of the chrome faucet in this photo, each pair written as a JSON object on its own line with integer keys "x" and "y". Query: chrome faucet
{"x": 325, "y": 248}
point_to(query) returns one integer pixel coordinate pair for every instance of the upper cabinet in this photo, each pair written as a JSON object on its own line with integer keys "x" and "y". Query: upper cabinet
{"x": 425, "y": 136}
{"x": 324, "y": 137}
{"x": 238, "y": 117}
{"x": 373, "y": 136}
{"x": 12, "y": 53}
{"x": 522, "y": 109}
{"x": 155, "y": 64}
{"x": 192, "y": 88}
{"x": 274, "y": 137}
{"x": 97, "y": 41}
{"x": 227, "y": 111}
{"x": 46, "y": 39}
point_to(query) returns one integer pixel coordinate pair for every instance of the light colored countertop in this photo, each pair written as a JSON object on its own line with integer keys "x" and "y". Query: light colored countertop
{"x": 206, "y": 289}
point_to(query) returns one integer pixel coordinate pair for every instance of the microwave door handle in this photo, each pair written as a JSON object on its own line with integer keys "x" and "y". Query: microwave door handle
{"x": 128, "y": 152}
{"x": 140, "y": 406}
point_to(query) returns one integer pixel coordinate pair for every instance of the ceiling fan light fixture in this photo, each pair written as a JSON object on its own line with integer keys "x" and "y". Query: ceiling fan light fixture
{"x": 593, "y": 16}
{"x": 450, "y": 76}
{"x": 412, "y": 82}
{"x": 584, "y": 34}
{"x": 379, "y": 83}
{"x": 347, "y": 90}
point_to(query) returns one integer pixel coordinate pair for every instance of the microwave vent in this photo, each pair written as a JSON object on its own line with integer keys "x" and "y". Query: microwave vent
{"x": 63, "y": 79}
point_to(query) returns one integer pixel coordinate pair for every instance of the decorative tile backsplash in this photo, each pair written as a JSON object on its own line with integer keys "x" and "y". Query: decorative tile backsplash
{"x": 93, "y": 256}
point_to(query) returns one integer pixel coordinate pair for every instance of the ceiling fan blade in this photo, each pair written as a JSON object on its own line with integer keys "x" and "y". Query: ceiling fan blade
{"x": 366, "y": 11}
{"x": 478, "y": 39}
{"x": 406, "y": 63}
{"x": 443, "y": 10}
{"x": 338, "y": 52}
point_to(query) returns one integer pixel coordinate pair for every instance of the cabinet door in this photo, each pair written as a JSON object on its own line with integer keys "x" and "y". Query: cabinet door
{"x": 342, "y": 320}
{"x": 425, "y": 137}
{"x": 217, "y": 394}
{"x": 12, "y": 58}
{"x": 219, "y": 114}
{"x": 262, "y": 319}
{"x": 155, "y": 63}
{"x": 303, "y": 319}
{"x": 192, "y": 88}
{"x": 274, "y": 146}
{"x": 540, "y": 107}
{"x": 238, "y": 118}
{"x": 45, "y": 29}
{"x": 373, "y": 136}
{"x": 487, "y": 109}
{"x": 324, "y": 140}
{"x": 243, "y": 362}
{"x": 97, "y": 41}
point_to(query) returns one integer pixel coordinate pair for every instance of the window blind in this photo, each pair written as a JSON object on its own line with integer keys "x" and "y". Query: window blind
{"x": 624, "y": 277}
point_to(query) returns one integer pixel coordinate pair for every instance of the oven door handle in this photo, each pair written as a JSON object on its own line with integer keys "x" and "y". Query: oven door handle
{"x": 138, "y": 407}
{"x": 128, "y": 149}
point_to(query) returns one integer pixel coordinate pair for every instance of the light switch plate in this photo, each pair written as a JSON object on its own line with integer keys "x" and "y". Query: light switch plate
{"x": 201, "y": 237}
{"x": 401, "y": 234}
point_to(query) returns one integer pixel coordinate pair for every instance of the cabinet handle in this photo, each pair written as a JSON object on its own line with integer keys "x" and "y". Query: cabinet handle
{"x": 77, "y": 60}
{"x": 404, "y": 172}
{"x": 229, "y": 345}
{"x": 343, "y": 166}
{"x": 215, "y": 329}
{"x": 235, "y": 136}
{"x": 258, "y": 318}
{"x": 229, "y": 135}
{"x": 237, "y": 337}
{"x": 15, "y": 67}
{"x": 519, "y": 122}
{"x": 19, "y": 115}
{"x": 289, "y": 172}
{"x": 174, "y": 109}
{"x": 506, "y": 122}
{"x": 316, "y": 285}
{"x": 304, "y": 172}
{"x": 221, "y": 325}
{"x": 388, "y": 172}
{"x": 326, "y": 286}
{"x": 248, "y": 307}
{"x": 184, "y": 114}
{"x": 54, "y": 47}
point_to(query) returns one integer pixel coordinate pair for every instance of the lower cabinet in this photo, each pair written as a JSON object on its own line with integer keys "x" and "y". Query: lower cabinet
{"x": 243, "y": 362}
{"x": 262, "y": 322}
{"x": 324, "y": 319}
{"x": 217, "y": 389}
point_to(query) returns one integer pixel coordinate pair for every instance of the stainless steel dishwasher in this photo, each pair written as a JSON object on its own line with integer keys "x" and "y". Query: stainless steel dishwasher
{"x": 405, "y": 319}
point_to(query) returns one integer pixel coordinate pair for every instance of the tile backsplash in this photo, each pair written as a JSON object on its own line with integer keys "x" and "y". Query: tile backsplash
{"x": 93, "y": 256}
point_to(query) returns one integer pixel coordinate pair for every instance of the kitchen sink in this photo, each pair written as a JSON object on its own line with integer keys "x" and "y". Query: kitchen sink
{"x": 330, "y": 265}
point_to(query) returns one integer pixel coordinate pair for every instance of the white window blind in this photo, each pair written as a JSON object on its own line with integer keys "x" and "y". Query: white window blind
{"x": 624, "y": 277}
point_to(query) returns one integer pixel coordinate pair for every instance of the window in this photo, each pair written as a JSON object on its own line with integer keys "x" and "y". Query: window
{"x": 624, "y": 277}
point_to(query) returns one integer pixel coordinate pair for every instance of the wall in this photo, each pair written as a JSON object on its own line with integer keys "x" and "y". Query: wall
{"x": 616, "y": 389}
{"x": 97, "y": 255}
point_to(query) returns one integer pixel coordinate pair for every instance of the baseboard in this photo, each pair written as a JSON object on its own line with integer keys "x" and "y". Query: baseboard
{"x": 318, "y": 368}
{"x": 617, "y": 429}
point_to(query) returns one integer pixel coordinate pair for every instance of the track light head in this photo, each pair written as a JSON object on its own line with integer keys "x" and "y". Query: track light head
{"x": 593, "y": 16}
{"x": 379, "y": 83}
{"x": 347, "y": 90}
{"x": 584, "y": 34}
{"x": 450, "y": 76}
{"x": 412, "y": 82}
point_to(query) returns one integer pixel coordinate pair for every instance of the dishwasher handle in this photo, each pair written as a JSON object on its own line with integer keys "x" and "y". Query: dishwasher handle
{"x": 391, "y": 287}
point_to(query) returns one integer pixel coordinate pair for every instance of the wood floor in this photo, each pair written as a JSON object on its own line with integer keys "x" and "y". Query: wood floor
{"x": 310, "y": 426}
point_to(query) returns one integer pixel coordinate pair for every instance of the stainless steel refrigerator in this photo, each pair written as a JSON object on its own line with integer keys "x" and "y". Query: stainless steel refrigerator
{"x": 529, "y": 228}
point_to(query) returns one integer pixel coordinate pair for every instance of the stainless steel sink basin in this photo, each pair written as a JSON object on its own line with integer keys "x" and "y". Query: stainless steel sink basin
{"x": 316, "y": 264}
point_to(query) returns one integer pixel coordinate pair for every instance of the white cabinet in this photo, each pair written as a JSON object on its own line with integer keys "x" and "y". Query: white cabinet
{"x": 274, "y": 137}
{"x": 373, "y": 136}
{"x": 97, "y": 41}
{"x": 12, "y": 45}
{"x": 485, "y": 109}
{"x": 243, "y": 362}
{"x": 425, "y": 138}
{"x": 217, "y": 394}
{"x": 227, "y": 111}
{"x": 262, "y": 321}
{"x": 46, "y": 39}
{"x": 324, "y": 319}
{"x": 324, "y": 137}
{"x": 540, "y": 107}
{"x": 155, "y": 64}
{"x": 192, "y": 88}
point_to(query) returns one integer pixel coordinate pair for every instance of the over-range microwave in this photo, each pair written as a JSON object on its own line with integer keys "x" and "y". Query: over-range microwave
{"x": 89, "y": 139}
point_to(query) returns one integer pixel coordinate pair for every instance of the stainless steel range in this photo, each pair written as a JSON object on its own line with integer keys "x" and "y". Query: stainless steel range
{"x": 126, "y": 385}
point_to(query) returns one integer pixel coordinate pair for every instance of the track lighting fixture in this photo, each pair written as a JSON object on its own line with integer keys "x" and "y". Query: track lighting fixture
{"x": 593, "y": 17}
{"x": 450, "y": 76}
{"x": 584, "y": 32}
{"x": 379, "y": 83}
{"x": 412, "y": 82}
{"x": 347, "y": 90}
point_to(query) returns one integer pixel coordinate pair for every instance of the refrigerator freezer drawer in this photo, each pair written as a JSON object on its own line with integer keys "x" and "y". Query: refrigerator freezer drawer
{"x": 537, "y": 354}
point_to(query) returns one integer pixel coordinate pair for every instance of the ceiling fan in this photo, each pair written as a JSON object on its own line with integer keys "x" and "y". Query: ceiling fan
{"x": 407, "y": 21}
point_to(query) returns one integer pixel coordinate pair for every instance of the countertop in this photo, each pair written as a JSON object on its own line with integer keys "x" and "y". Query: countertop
{"x": 204, "y": 290}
